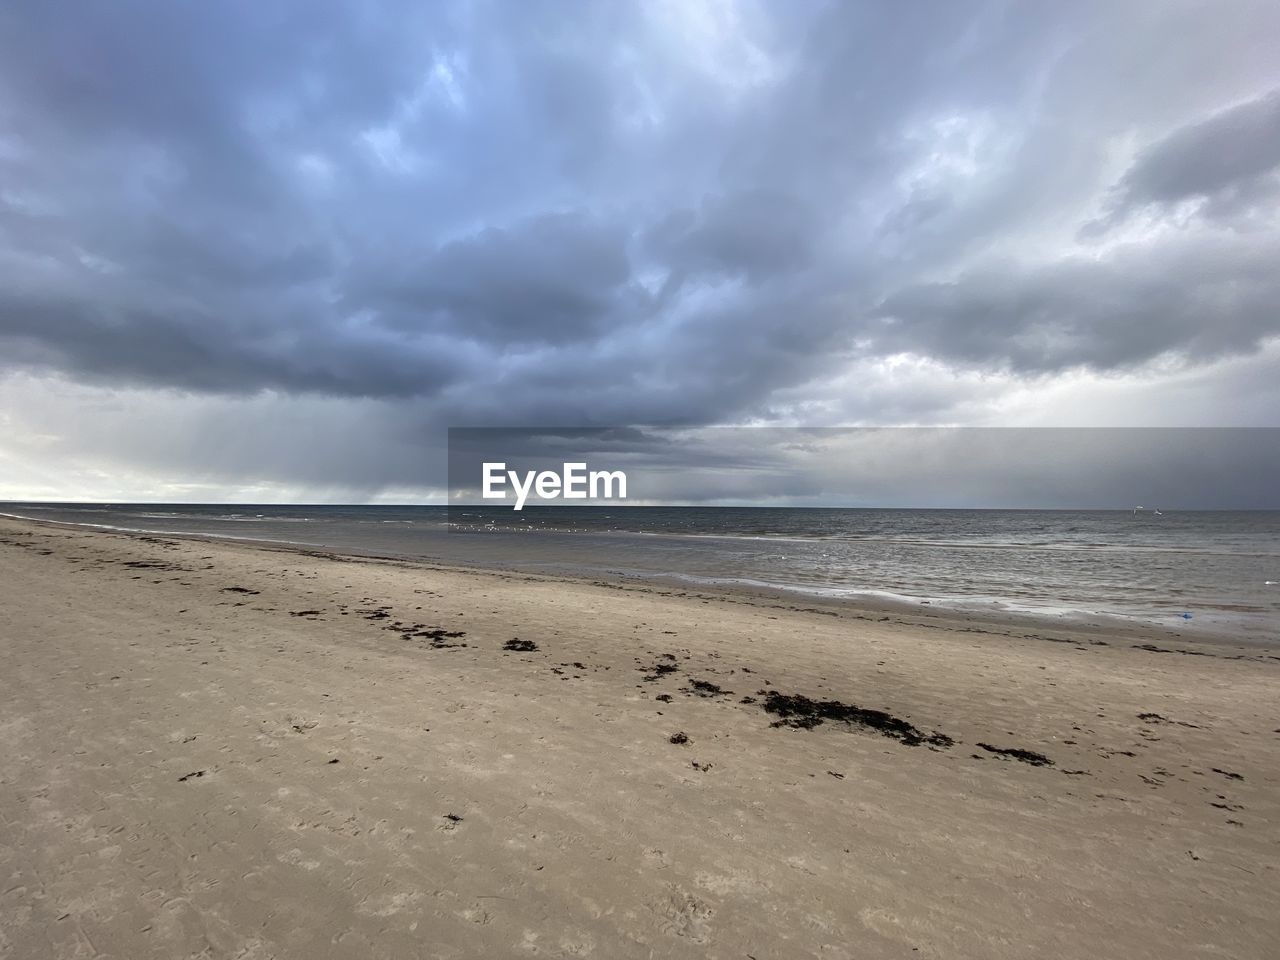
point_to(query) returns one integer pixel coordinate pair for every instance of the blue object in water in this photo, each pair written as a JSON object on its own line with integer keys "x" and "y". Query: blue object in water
{"x": 1186, "y": 616}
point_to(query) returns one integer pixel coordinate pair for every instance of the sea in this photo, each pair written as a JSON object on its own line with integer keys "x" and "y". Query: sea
{"x": 1196, "y": 573}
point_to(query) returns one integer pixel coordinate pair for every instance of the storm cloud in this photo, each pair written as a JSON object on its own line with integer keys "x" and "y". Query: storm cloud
{"x": 1228, "y": 163}
{"x": 321, "y": 234}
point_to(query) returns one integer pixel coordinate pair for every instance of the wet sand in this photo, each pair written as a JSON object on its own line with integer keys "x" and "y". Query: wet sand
{"x": 216, "y": 749}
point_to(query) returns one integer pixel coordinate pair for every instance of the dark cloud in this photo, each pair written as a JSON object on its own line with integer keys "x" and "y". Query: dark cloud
{"x": 1200, "y": 300}
{"x": 555, "y": 278}
{"x": 198, "y": 349}
{"x": 755, "y": 234}
{"x": 1229, "y": 162}
{"x": 469, "y": 213}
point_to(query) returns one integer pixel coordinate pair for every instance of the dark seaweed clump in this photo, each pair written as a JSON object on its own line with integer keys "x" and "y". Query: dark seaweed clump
{"x": 438, "y": 636}
{"x": 520, "y": 646}
{"x": 1156, "y": 718}
{"x": 798, "y": 711}
{"x": 680, "y": 737}
{"x": 1016, "y": 753}
{"x": 659, "y": 670}
{"x": 705, "y": 688}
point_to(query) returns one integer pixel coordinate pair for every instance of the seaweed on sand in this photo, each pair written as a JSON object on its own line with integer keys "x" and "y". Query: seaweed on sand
{"x": 1017, "y": 753}
{"x": 798, "y": 711}
{"x": 658, "y": 670}
{"x": 705, "y": 688}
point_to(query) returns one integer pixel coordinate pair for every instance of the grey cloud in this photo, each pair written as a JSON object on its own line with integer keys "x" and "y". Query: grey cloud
{"x": 1230, "y": 161}
{"x": 565, "y": 271}
{"x": 753, "y": 233}
{"x": 1199, "y": 300}
{"x": 545, "y": 213}
{"x": 199, "y": 350}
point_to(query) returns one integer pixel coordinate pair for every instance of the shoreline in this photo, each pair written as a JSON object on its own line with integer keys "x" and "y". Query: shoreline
{"x": 944, "y": 612}
{"x": 264, "y": 752}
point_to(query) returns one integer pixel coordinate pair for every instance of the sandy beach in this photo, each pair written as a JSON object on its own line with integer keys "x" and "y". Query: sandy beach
{"x": 215, "y": 749}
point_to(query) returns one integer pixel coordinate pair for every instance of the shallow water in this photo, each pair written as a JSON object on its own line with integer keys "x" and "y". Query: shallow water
{"x": 1214, "y": 565}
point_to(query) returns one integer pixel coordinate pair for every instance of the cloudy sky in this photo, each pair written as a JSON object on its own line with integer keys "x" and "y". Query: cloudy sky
{"x": 271, "y": 251}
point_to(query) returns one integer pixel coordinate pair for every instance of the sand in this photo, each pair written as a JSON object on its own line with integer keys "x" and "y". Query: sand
{"x": 214, "y": 749}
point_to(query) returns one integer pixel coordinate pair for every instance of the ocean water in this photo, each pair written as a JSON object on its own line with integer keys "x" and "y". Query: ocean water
{"x": 1220, "y": 567}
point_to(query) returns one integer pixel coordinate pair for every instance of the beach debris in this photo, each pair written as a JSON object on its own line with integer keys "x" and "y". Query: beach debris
{"x": 437, "y": 635}
{"x": 1157, "y": 718}
{"x": 801, "y": 713}
{"x": 517, "y": 645}
{"x": 244, "y": 590}
{"x": 1152, "y": 648}
{"x": 1185, "y": 616}
{"x": 195, "y": 774}
{"x": 700, "y": 767}
{"x": 1017, "y": 753}
{"x": 1227, "y": 773}
{"x": 660, "y": 669}
{"x": 705, "y": 688}
{"x": 680, "y": 737}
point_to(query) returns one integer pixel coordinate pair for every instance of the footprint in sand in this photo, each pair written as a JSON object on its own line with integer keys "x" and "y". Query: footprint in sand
{"x": 301, "y": 724}
{"x": 683, "y": 915}
{"x": 658, "y": 856}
